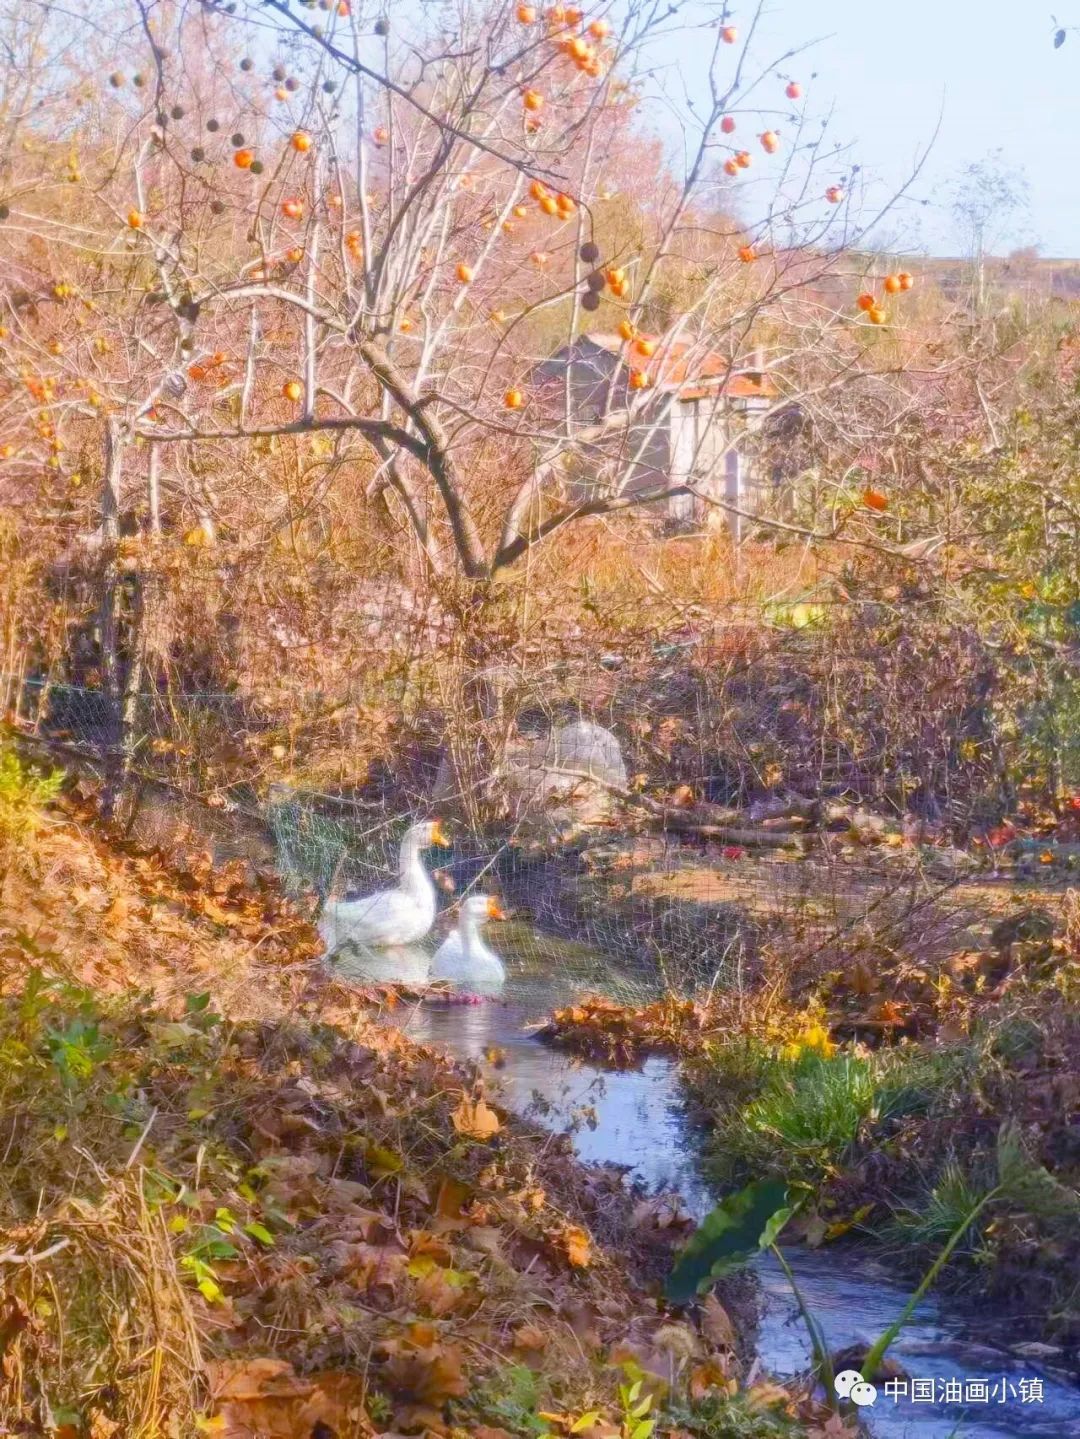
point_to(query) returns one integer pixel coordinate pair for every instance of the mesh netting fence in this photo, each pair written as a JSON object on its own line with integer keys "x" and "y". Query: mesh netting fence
{"x": 614, "y": 904}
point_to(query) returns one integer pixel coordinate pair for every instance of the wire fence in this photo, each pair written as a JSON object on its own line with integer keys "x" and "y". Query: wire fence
{"x": 611, "y": 905}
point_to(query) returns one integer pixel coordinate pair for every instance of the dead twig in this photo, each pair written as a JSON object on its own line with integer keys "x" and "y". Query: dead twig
{"x": 12, "y": 1256}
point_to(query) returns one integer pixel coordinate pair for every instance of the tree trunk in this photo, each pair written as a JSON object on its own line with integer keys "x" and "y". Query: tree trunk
{"x": 479, "y": 726}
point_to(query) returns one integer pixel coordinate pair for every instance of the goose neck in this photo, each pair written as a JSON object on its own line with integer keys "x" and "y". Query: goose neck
{"x": 469, "y": 929}
{"x": 414, "y": 876}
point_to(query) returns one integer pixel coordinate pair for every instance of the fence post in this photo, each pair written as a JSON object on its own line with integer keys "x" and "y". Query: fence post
{"x": 121, "y": 691}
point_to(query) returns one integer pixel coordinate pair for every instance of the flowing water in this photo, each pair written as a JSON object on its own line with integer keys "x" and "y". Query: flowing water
{"x": 636, "y": 1118}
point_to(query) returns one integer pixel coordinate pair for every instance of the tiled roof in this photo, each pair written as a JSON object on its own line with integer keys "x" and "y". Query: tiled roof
{"x": 683, "y": 365}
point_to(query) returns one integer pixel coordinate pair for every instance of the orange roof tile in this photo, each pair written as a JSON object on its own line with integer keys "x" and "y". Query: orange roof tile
{"x": 682, "y": 365}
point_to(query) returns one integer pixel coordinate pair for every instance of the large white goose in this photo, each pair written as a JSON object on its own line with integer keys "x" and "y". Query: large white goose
{"x": 463, "y": 956}
{"x": 390, "y": 916}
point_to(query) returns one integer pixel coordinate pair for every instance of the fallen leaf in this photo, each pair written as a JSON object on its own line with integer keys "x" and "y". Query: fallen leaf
{"x": 476, "y": 1119}
{"x": 889, "y": 1012}
{"x": 116, "y": 912}
{"x": 766, "y": 1395}
{"x": 835, "y": 1428}
{"x": 425, "y": 1371}
{"x": 423, "y": 1245}
{"x": 529, "y": 1336}
{"x": 13, "y": 1320}
{"x": 440, "y": 1291}
{"x": 382, "y": 1162}
{"x": 451, "y": 1198}
{"x": 716, "y": 1324}
{"x": 247, "y": 1379}
{"x": 578, "y": 1247}
{"x": 709, "y": 1376}
{"x": 376, "y": 1268}
{"x": 842, "y": 1226}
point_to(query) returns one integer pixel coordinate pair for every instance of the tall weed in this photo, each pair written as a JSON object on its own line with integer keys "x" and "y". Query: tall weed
{"x": 799, "y": 1116}
{"x": 25, "y": 793}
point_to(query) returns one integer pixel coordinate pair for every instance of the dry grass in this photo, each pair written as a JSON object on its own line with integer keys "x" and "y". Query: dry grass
{"x": 108, "y": 1331}
{"x": 636, "y": 574}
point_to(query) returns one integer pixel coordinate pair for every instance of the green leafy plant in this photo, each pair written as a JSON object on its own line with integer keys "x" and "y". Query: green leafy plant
{"x": 77, "y": 1049}
{"x": 512, "y": 1401}
{"x": 819, "y": 1347}
{"x": 802, "y": 1115}
{"x": 751, "y": 1220}
{"x": 1021, "y": 1182}
{"x": 25, "y": 793}
{"x": 198, "y": 1011}
{"x": 733, "y": 1416}
{"x": 635, "y": 1423}
{"x": 739, "y": 1227}
{"x": 212, "y": 1244}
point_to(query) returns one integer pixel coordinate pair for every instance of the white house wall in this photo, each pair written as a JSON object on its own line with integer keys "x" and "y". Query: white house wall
{"x": 691, "y": 440}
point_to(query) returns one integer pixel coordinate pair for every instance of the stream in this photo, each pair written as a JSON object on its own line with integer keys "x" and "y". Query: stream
{"x": 636, "y": 1118}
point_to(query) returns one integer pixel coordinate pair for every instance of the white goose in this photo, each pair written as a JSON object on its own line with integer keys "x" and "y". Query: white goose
{"x": 390, "y": 916}
{"x": 463, "y": 956}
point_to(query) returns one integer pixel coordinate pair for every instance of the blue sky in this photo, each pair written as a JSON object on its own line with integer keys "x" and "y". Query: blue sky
{"x": 987, "y": 66}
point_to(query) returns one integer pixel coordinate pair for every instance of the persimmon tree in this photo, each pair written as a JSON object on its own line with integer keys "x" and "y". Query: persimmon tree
{"x": 360, "y": 231}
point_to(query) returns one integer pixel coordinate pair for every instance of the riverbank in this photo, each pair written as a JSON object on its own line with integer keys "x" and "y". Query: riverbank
{"x": 235, "y": 1203}
{"x": 636, "y": 1118}
{"x": 898, "y": 1088}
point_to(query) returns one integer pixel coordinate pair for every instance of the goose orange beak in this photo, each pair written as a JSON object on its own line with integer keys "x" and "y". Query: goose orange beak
{"x": 495, "y": 910}
{"x": 438, "y": 835}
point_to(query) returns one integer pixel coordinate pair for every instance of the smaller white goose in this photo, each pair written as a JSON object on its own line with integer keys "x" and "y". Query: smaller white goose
{"x": 463, "y": 956}
{"x": 390, "y": 916}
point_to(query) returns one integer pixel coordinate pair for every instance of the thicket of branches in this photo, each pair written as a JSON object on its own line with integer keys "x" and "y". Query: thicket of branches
{"x": 277, "y": 280}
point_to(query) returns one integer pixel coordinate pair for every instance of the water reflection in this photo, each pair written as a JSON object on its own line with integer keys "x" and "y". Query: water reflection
{"x": 637, "y": 1120}
{"x": 397, "y": 964}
